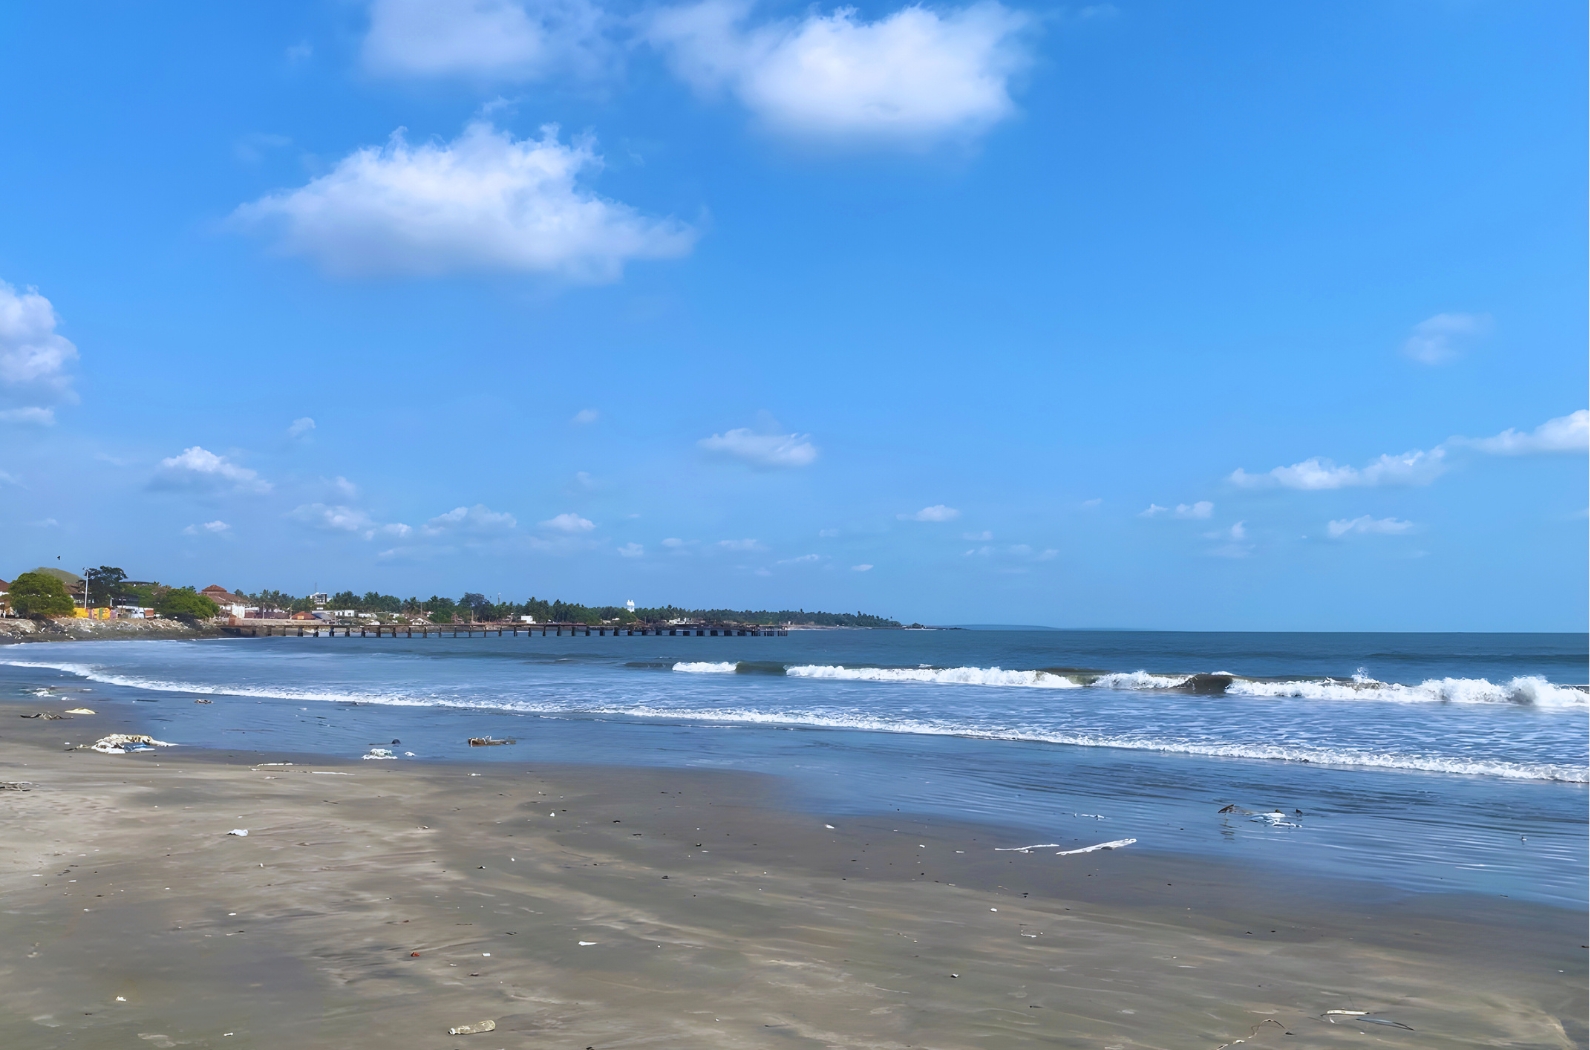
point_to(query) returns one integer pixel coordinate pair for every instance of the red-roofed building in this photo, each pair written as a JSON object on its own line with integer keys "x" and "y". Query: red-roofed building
{"x": 231, "y": 604}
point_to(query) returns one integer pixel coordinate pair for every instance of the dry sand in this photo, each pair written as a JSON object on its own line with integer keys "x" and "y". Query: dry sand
{"x": 377, "y": 904}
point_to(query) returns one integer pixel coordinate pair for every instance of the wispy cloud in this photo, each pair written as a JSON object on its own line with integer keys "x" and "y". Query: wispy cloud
{"x": 978, "y": 537}
{"x": 913, "y": 77}
{"x": 485, "y": 40}
{"x": 1437, "y": 339}
{"x": 863, "y": 567}
{"x": 209, "y": 528}
{"x": 477, "y": 520}
{"x": 937, "y": 512}
{"x": 198, "y": 469}
{"x": 631, "y": 550}
{"x": 1368, "y": 526}
{"x": 1201, "y": 509}
{"x": 767, "y": 451}
{"x": 342, "y": 518}
{"x": 1570, "y": 433}
{"x": 586, "y": 416}
{"x": 35, "y": 360}
{"x": 569, "y": 522}
{"x": 300, "y": 426}
{"x": 740, "y": 545}
{"x": 483, "y": 202}
{"x": 804, "y": 559}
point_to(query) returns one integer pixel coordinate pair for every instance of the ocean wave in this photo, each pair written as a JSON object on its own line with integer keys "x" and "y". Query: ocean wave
{"x": 1326, "y": 756}
{"x": 705, "y": 667}
{"x": 936, "y": 675}
{"x": 1531, "y": 691}
{"x": 159, "y": 685}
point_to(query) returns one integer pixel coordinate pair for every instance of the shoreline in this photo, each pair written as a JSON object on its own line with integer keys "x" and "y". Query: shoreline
{"x": 712, "y": 916}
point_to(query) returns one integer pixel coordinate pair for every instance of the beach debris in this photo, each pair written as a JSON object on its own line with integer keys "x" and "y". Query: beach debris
{"x": 474, "y": 1029}
{"x": 1091, "y": 816}
{"x": 1363, "y": 1016}
{"x": 830, "y": 827}
{"x": 1114, "y": 844}
{"x": 127, "y": 743}
{"x": 17, "y": 785}
{"x": 1275, "y": 818}
{"x": 1253, "y": 1032}
{"x": 202, "y": 700}
{"x": 241, "y": 833}
{"x": 79, "y": 711}
{"x": 488, "y": 741}
{"x": 48, "y": 716}
{"x": 414, "y": 955}
{"x": 1026, "y": 849}
{"x": 585, "y": 944}
{"x": 379, "y": 752}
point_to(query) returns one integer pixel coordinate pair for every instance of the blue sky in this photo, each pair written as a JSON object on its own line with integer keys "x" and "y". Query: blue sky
{"x": 1237, "y": 316}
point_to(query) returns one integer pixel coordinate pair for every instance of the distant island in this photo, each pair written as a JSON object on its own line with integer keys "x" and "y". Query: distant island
{"x": 107, "y": 592}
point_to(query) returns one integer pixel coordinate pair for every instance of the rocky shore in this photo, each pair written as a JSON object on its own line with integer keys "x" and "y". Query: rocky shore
{"x": 72, "y": 630}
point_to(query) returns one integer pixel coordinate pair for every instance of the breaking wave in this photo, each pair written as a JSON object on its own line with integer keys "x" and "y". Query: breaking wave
{"x": 938, "y": 676}
{"x": 705, "y": 667}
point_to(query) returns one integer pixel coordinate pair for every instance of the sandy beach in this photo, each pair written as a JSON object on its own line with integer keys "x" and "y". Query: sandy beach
{"x": 381, "y": 903}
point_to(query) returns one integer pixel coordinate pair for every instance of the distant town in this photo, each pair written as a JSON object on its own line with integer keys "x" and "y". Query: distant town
{"x": 106, "y": 593}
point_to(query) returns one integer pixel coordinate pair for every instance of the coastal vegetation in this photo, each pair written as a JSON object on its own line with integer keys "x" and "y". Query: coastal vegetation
{"x": 38, "y": 594}
{"x": 41, "y": 594}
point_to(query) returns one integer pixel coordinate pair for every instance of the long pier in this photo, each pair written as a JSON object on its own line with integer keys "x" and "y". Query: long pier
{"x": 318, "y": 629}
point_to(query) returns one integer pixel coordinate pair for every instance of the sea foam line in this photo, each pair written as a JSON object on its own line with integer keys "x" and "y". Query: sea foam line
{"x": 1242, "y": 750}
{"x": 936, "y": 675}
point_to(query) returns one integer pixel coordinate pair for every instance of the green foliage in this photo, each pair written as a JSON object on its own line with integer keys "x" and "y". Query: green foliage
{"x": 185, "y": 603}
{"x": 105, "y": 584}
{"x": 38, "y": 595}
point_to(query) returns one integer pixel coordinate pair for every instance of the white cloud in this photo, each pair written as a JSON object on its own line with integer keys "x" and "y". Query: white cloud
{"x": 673, "y": 541}
{"x": 35, "y": 360}
{"x": 44, "y": 417}
{"x": 508, "y": 40}
{"x": 767, "y": 451}
{"x": 342, "y": 518}
{"x": 477, "y": 519}
{"x": 198, "y": 468}
{"x": 937, "y": 512}
{"x": 804, "y": 559}
{"x": 1236, "y": 532}
{"x": 861, "y": 568}
{"x": 212, "y": 528}
{"x": 1410, "y": 468}
{"x": 1367, "y": 525}
{"x": 1435, "y": 340}
{"x": 570, "y": 523}
{"x": 827, "y": 534}
{"x": 631, "y": 550}
{"x": 483, "y": 202}
{"x": 1153, "y": 510}
{"x": 586, "y": 415}
{"x": 909, "y": 78}
{"x": 1091, "y": 503}
{"x": 1570, "y": 433}
{"x": 1202, "y": 509}
{"x": 978, "y": 537}
{"x": 300, "y": 427}
{"x": 740, "y": 545}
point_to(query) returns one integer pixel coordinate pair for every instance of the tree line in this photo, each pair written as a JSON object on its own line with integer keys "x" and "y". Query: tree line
{"x": 41, "y": 594}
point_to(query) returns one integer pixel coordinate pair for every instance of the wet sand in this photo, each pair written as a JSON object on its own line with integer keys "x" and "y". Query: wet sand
{"x": 377, "y": 904}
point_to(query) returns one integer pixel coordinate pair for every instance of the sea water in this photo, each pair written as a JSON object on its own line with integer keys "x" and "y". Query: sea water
{"x": 1425, "y": 763}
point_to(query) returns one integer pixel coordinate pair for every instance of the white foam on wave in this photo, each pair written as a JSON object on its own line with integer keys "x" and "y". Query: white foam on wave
{"x": 1278, "y": 752}
{"x": 705, "y": 667}
{"x": 936, "y": 675}
{"x": 1139, "y": 680}
{"x": 158, "y": 685}
{"x": 1531, "y": 690}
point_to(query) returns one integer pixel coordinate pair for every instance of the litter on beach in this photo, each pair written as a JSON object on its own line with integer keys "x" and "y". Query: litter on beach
{"x": 474, "y": 1029}
{"x": 585, "y": 944}
{"x": 1115, "y": 844}
{"x": 488, "y": 741}
{"x": 48, "y": 716}
{"x": 127, "y": 743}
{"x": 79, "y": 710}
{"x": 1363, "y": 1016}
{"x": 241, "y": 833}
